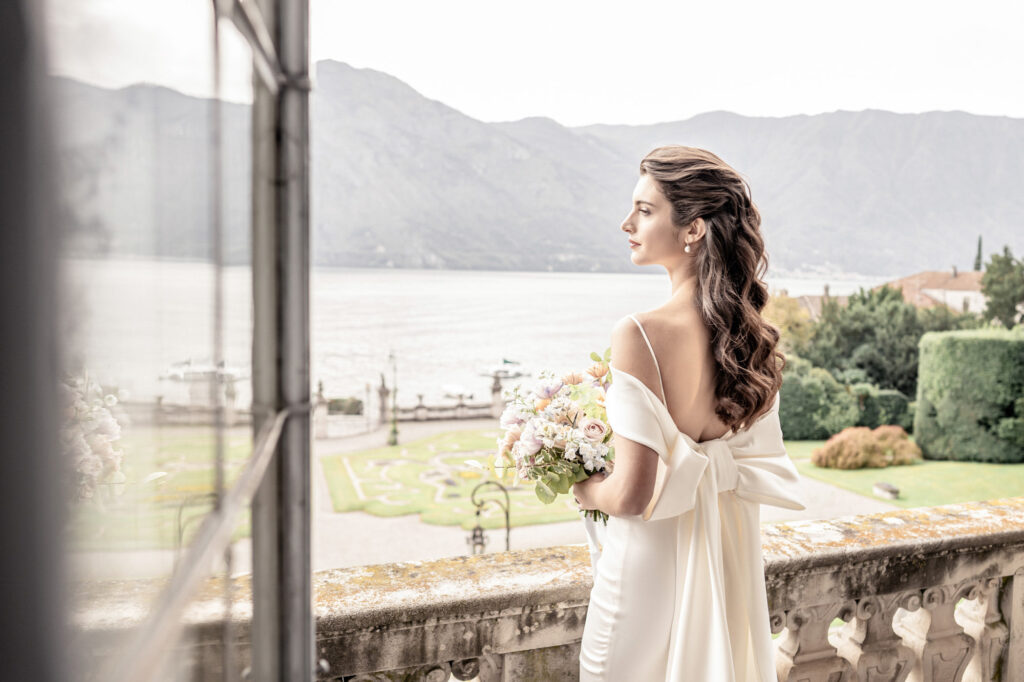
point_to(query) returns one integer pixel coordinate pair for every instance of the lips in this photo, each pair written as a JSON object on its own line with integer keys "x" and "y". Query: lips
{"x": 633, "y": 243}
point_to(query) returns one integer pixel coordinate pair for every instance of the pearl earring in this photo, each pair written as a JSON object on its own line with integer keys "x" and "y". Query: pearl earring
{"x": 687, "y": 248}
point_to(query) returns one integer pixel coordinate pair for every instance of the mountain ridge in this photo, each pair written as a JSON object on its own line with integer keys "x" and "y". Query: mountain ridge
{"x": 402, "y": 180}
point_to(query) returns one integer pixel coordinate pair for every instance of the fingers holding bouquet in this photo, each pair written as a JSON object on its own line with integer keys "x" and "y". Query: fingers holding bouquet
{"x": 583, "y": 491}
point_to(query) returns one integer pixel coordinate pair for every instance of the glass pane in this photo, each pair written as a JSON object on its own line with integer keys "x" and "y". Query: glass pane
{"x": 149, "y": 355}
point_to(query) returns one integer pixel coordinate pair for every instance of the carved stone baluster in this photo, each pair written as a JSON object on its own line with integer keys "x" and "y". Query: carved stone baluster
{"x": 435, "y": 672}
{"x": 1011, "y": 604}
{"x": 941, "y": 647}
{"x": 466, "y": 669}
{"x": 439, "y": 672}
{"x": 804, "y": 652}
{"x": 868, "y": 642}
{"x": 981, "y": 620}
{"x": 492, "y": 666}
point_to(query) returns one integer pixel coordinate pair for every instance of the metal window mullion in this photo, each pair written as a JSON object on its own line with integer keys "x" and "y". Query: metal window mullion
{"x": 248, "y": 19}
{"x": 282, "y": 631}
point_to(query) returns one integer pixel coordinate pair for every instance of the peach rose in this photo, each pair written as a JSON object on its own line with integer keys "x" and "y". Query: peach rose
{"x": 573, "y": 378}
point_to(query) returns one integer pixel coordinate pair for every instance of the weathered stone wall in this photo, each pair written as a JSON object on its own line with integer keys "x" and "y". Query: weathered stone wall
{"x": 932, "y": 594}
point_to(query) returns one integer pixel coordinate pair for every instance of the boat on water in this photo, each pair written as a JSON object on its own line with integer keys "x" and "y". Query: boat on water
{"x": 188, "y": 371}
{"x": 506, "y": 369}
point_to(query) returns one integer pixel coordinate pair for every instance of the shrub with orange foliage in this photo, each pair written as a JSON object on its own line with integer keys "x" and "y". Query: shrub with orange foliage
{"x": 859, "y": 447}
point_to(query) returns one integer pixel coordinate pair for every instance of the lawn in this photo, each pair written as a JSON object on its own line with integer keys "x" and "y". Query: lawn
{"x": 145, "y": 514}
{"x": 430, "y": 477}
{"x": 928, "y": 483}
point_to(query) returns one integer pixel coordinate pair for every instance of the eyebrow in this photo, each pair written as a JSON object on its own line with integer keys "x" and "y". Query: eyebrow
{"x": 641, "y": 201}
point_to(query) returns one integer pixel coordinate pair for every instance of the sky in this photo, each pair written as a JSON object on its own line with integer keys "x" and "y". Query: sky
{"x": 593, "y": 62}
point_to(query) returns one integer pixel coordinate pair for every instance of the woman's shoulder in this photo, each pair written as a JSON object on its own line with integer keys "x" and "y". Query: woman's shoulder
{"x": 660, "y": 325}
{"x": 644, "y": 357}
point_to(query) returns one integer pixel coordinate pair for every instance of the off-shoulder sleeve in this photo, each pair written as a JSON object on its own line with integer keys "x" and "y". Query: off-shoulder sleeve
{"x": 634, "y": 412}
{"x": 633, "y": 415}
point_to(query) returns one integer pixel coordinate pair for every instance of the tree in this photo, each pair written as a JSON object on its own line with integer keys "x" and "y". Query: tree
{"x": 877, "y": 332}
{"x": 941, "y": 319}
{"x": 813, "y": 405}
{"x": 1003, "y": 287}
{"x": 793, "y": 321}
{"x": 977, "y": 256}
{"x": 874, "y": 338}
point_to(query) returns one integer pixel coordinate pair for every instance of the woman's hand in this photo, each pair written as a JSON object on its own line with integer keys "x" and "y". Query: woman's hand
{"x": 584, "y": 491}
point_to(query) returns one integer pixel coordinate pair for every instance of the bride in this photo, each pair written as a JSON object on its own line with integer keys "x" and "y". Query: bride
{"x": 679, "y": 590}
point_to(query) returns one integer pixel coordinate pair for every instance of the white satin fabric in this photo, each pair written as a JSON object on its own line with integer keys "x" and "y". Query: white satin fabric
{"x": 679, "y": 592}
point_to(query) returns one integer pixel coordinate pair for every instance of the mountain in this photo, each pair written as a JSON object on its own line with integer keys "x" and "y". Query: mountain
{"x": 136, "y": 170}
{"x": 407, "y": 181}
{"x": 400, "y": 180}
{"x": 870, "y": 191}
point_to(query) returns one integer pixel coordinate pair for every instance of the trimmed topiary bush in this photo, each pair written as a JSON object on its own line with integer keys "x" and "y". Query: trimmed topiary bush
{"x": 970, "y": 397}
{"x": 812, "y": 404}
{"x": 859, "y": 447}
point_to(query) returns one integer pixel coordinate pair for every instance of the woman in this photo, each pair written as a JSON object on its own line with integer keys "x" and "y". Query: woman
{"x": 679, "y": 588}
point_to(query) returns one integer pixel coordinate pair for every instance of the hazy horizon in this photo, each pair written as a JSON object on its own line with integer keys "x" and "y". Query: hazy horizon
{"x": 581, "y": 64}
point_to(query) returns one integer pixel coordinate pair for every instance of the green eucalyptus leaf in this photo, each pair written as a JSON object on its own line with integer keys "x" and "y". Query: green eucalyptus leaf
{"x": 544, "y": 493}
{"x": 595, "y": 357}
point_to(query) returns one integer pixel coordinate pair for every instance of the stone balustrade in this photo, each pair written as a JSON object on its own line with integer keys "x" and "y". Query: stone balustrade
{"x": 931, "y": 594}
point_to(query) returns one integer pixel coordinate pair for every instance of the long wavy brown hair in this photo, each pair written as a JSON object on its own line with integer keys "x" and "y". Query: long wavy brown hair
{"x": 731, "y": 262}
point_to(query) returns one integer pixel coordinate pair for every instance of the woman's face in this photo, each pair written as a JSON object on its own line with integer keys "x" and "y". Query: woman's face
{"x": 653, "y": 238}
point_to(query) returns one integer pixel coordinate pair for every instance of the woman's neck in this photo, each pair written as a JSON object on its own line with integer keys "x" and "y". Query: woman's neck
{"x": 684, "y": 286}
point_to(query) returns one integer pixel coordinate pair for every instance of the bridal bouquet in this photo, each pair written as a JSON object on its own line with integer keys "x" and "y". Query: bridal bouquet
{"x": 558, "y": 434}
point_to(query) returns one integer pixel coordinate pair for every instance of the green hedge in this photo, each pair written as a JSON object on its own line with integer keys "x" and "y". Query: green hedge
{"x": 970, "y": 396}
{"x": 344, "y": 406}
{"x": 812, "y": 404}
{"x": 882, "y": 407}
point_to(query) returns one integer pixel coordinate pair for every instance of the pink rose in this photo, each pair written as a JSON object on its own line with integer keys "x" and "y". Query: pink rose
{"x": 593, "y": 430}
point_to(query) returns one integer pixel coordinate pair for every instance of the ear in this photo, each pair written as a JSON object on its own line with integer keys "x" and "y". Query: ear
{"x": 697, "y": 229}
{"x": 692, "y": 233}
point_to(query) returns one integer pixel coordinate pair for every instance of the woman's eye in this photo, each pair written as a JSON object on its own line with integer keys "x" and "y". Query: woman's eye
{"x": 645, "y": 211}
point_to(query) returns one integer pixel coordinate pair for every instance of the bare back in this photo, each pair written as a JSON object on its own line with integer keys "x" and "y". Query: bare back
{"x": 682, "y": 349}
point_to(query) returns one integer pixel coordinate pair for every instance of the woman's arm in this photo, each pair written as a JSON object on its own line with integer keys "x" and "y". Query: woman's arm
{"x": 628, "y": 489}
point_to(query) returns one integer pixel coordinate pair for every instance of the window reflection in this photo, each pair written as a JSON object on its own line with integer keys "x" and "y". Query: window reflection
{"x": 153, "y": 173}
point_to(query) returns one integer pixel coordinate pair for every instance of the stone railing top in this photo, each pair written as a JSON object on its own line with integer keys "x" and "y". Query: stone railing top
{"x": 807, "y": 544}
{"x": 860, "y": 554}
{"x": 364, "y": 596}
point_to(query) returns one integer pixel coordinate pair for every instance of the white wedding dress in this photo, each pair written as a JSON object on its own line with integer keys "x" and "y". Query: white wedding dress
{"x": 679, "y": 592}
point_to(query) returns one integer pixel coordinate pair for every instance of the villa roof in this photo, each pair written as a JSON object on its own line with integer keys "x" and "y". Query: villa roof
{"x": 914, "y": 286}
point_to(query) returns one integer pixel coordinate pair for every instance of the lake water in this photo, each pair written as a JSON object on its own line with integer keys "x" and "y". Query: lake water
{"x": 128, "y": 321}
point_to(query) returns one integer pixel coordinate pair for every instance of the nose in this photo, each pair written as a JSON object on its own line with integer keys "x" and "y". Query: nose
{"x": 626, "y": 226}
